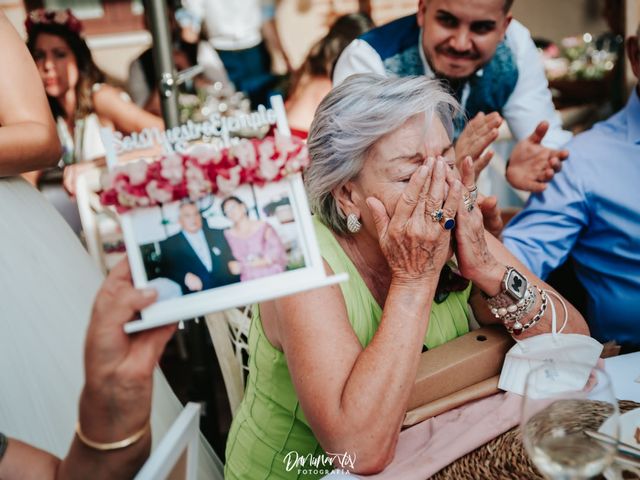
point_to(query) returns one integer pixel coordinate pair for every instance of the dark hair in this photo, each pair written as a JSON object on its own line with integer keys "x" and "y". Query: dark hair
{"x": 325, "y": 52}
{"x": 235, "y": 199}
{"x": 505, "y": 8}
{"x": 88, "y": 72}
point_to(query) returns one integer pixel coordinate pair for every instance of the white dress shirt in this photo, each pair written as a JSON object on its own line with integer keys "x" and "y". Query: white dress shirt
{"x": 529, "y": 104}
{"x": 231, "y": 24}
{"x": 199, "y": 244}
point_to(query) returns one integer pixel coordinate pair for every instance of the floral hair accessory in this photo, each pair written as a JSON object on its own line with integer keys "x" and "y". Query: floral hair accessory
{"x": 202, "y": 171}
{"x": 43, "y": 16}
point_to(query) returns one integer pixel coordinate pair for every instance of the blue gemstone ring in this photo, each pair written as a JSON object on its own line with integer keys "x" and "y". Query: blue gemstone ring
{"x": 448, "y": 223}
{"x": 437, "y": 215}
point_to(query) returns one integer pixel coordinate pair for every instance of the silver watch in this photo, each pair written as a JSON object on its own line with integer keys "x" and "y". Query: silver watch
{"x": 514, "y": 289}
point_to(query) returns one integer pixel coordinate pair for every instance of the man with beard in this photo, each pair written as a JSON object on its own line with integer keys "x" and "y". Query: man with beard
{"x": 492, "y": 67}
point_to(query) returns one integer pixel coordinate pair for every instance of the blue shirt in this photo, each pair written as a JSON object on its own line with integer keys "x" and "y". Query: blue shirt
{"x": 591, "y": 210}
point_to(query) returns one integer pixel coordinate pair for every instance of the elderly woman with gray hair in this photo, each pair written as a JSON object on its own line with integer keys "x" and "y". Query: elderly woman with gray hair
{"x": 331, "y": 370}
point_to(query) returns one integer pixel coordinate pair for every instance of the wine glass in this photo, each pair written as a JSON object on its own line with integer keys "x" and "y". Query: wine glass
{"x": 562, "y": 402}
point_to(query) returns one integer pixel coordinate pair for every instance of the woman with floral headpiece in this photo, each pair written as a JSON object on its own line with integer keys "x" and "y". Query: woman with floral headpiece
{"x": 80, "y": 100}
{"x": 75, "y": 86}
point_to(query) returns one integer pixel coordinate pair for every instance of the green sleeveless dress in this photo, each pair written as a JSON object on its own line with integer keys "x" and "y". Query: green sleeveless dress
{"x": 270, "y": 431}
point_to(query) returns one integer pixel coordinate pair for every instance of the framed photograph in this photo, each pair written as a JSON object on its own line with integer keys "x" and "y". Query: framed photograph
{"x": 213, "y": 228}
{"x": 220, "y": 252}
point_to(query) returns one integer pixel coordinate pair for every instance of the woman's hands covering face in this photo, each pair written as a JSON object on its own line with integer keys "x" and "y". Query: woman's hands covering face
{"x": 415, "y": 245}
{"x": 472, "y": 252}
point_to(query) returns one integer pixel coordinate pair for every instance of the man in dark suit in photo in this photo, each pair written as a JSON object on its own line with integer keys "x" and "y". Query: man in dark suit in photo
{"x": 198, "y": 257}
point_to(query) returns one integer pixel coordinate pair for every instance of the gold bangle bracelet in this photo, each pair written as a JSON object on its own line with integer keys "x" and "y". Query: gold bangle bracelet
{"x": 112, "y": 445}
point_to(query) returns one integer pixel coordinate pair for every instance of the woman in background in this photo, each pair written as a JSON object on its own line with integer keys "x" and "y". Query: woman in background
{"x": 78, "y": 95}
{"x": 256, "y": 246}
{"x": 312, "y": 81}
{"x": 80, "y": 100}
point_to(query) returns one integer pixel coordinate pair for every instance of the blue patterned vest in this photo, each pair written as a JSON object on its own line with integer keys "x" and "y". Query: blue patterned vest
{"x": 398, "y": 45}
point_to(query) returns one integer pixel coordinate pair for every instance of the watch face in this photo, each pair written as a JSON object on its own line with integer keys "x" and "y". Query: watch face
{"x": 516, "y": 284}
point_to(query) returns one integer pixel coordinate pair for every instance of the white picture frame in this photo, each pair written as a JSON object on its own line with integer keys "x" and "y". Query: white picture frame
{"x": 309, "y": 275}
{"x": 178, "y": 299}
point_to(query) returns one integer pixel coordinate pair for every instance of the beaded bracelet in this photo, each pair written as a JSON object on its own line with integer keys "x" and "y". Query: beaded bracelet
{"x": 517, "y": 328}
{"x": 112, "y": 445}
{"x": 522, "y": 308}
{"x": 515, "y": 311}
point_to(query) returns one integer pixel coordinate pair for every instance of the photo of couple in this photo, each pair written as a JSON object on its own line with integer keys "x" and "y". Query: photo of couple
{"x": 189, "y": 247}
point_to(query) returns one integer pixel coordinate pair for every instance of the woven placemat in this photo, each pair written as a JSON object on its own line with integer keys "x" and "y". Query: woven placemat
{"x": 503, "y": 457}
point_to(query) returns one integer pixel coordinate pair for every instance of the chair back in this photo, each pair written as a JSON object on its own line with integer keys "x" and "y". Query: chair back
{"x": 229, "y": 331}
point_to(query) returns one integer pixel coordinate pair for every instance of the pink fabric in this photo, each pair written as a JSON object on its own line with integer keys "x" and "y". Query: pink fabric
{"x": 263, "y": 243}
{"x": 428, "y": 447}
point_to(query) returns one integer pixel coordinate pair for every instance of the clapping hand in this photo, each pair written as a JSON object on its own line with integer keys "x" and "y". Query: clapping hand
{"x": 531, "y": 164}
{"x": 478, "y": 134}
{"x": 475, "y": 261}
{"x": 412, "y": 240}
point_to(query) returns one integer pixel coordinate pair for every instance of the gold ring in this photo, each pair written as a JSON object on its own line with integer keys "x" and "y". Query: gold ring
{"x": 473, "y": 193}
{"x": 437, "y": 215}
{"x": 448, "y": 223}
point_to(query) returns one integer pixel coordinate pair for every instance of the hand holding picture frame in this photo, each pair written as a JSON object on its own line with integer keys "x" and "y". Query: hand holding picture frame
{"x": 213, "y": 228}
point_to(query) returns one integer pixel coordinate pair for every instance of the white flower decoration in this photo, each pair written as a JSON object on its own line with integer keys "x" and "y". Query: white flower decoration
{"x": 227, "y": 186}
{"x": 245, "y": 153}
{"x": 157, "y": 194}
{"x": 137, "y": 172}
{"x": 197, "y": 184}
{"x": 269, "y": 169}
{"x": 172, "y": 168}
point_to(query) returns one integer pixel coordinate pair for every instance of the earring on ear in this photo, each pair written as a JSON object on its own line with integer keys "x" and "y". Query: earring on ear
{"x": 353, "y": 223}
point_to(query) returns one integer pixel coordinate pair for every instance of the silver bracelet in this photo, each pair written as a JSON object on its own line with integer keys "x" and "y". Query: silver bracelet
{"x": 517, "y": 328}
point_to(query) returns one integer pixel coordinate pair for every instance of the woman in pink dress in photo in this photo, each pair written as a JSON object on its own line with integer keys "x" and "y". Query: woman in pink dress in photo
{"x": 255, "y": 245}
